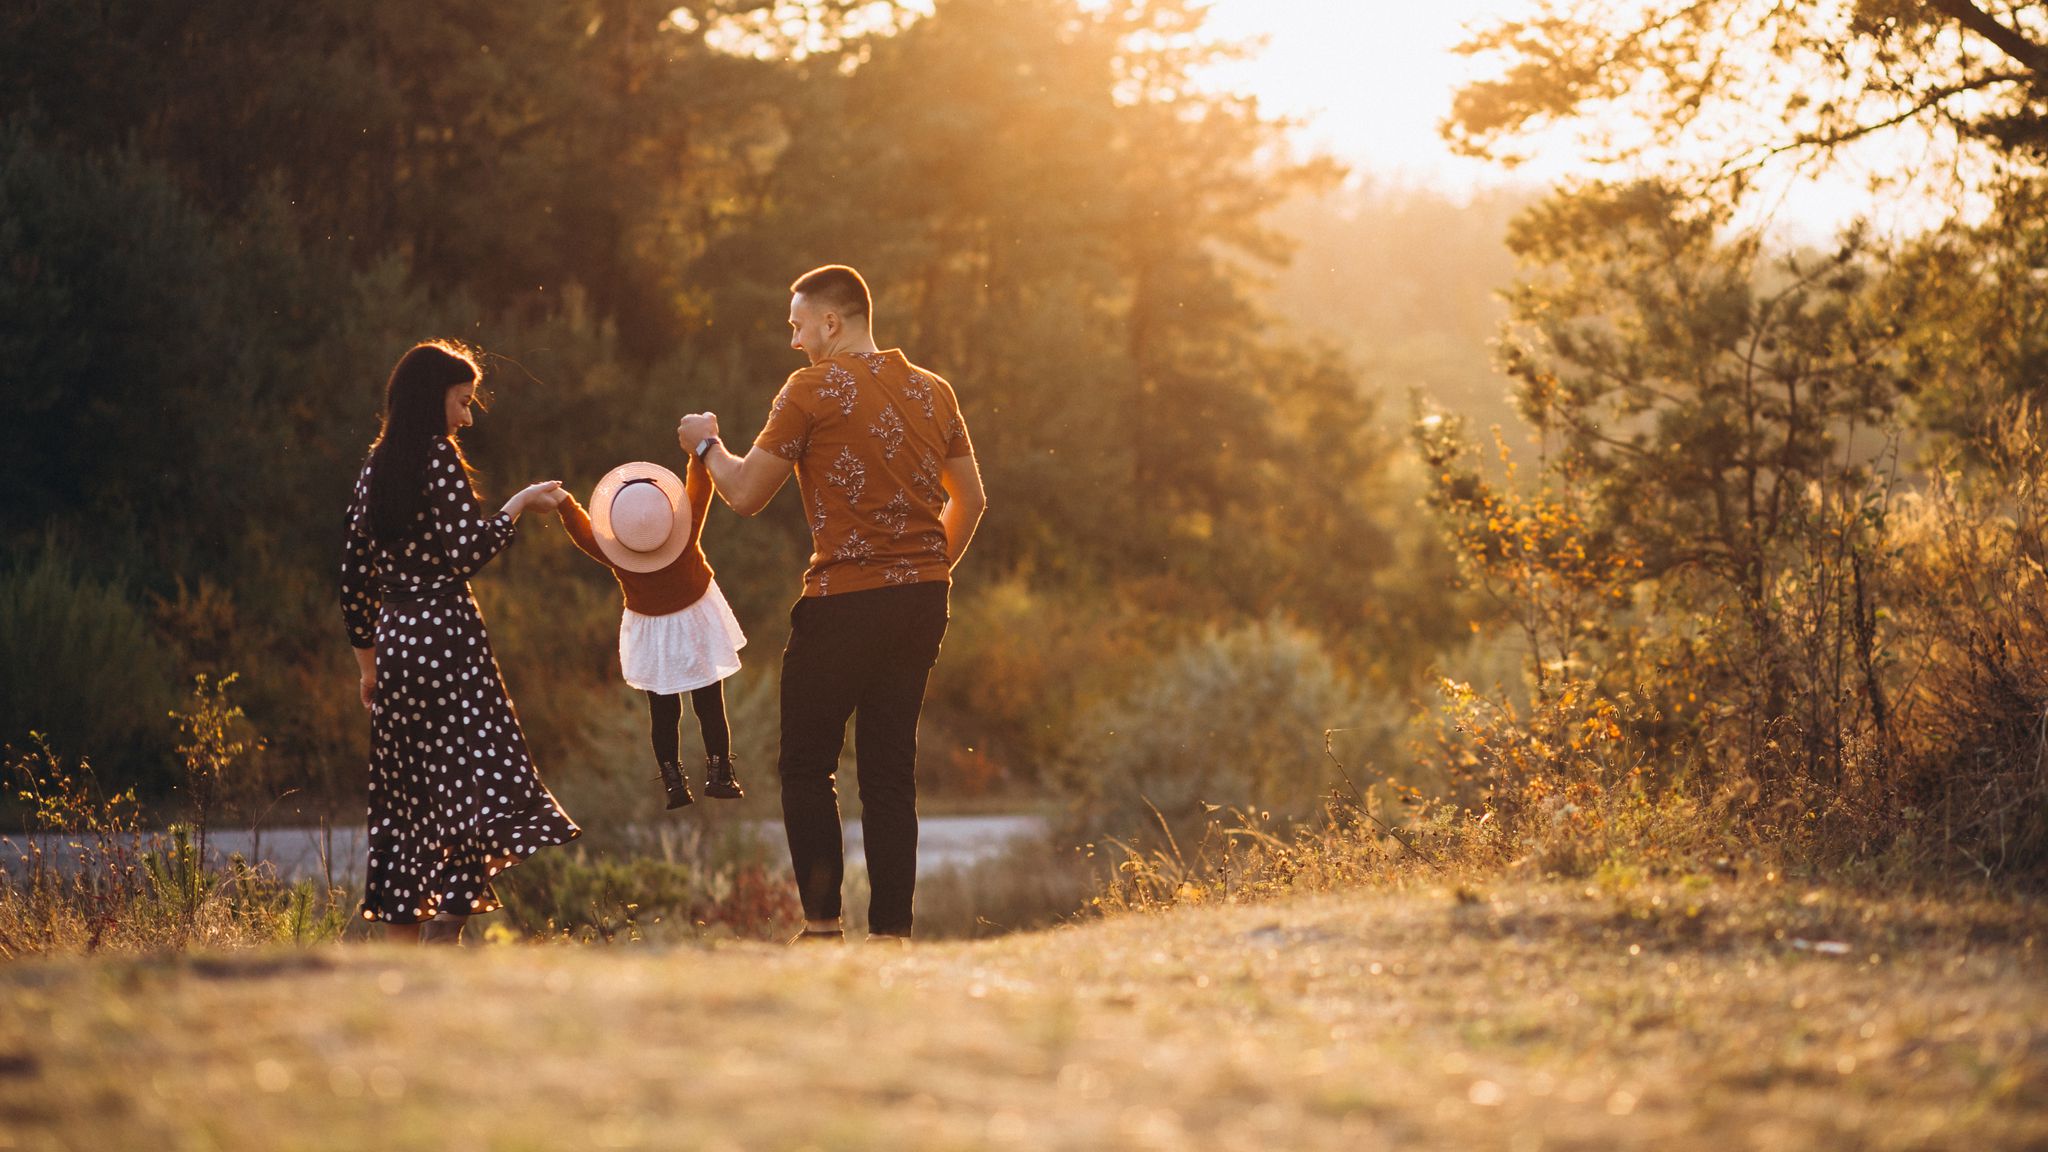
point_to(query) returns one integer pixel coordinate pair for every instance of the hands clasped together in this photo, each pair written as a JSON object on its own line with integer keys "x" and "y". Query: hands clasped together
{"x": 548, "y": 496}
{"x": 542, "y": 496}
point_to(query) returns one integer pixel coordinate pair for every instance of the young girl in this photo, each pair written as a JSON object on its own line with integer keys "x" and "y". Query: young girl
{"x": 454, "y": 798}
{"x": 677, "y": 634}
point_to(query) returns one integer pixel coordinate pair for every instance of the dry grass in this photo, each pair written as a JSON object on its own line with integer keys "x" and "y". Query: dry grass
{"x": 1710, "y": 1015}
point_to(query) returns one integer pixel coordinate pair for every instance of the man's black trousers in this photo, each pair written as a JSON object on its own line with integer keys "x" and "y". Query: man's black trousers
{"x": 865, "y": 655}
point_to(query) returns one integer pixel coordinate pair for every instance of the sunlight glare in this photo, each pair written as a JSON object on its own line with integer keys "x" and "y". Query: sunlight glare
{"x": 793, "y": 29}
{"x": 1371, "y": 82}
{"x": 1371, "y": 85}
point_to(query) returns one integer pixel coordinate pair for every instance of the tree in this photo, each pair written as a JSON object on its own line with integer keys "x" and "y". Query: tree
{"x": 1711, "y": 414}
{"x": 1717, "y": 89}
{"x": 221, "y": 223}
{"x": 1073, "y": 235}
{"x": 507, "y": 150}
{"x": 1971, "y": 308}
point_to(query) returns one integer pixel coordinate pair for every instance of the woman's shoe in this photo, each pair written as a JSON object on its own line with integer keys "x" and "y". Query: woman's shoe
{"x": 719, "y": 780}
{"x": 677, "y": 785}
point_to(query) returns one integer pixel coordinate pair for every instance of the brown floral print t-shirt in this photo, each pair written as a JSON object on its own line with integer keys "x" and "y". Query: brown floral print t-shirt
{"x": 869, "y": 434}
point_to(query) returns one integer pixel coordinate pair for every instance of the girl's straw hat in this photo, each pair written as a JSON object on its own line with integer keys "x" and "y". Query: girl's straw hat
{"x": 640, "y": 516}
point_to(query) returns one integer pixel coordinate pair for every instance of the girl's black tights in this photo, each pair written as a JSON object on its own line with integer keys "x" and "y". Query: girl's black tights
{"x": 665, "y": 712}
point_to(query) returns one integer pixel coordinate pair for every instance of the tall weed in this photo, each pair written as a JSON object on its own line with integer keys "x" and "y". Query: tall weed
{"x": 87, "y": 877}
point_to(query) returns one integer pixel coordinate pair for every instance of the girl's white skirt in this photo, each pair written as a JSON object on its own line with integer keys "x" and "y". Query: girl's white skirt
{"x": 682, "y": 651}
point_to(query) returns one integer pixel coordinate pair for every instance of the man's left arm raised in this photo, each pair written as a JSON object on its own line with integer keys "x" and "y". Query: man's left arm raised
{"x": 746, "y": 484}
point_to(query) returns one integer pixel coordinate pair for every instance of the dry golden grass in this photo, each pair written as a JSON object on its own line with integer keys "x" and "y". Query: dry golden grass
{"x": 1537, "y": 1015}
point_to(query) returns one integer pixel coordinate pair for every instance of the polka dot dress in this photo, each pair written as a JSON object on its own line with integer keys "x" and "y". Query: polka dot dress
{"x": 454, "y": 798}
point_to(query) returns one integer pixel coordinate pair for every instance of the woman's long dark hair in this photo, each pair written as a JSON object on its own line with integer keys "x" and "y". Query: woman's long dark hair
{"x": 415, "y": 415}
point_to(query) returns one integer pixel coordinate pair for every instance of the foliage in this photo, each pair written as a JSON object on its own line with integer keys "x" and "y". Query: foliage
{"x": 1798, "y": 636}
{"x": 1971, "y": 310}
{"x": 1719, "y": 89}
{"x": 686, "y": 885}
{"x": 1231, "y": 719}
{"x": 94, "y": 246}
{"x": 89, "y": 878}
{"x": 1712, "y": 514}
{"x": 1020, "y": 662}
{"x": 221, "y": 226}
{"x": 1539, "y": 561}
{"x": 1971, "y": 590}
{"x": 1729, "y": 600}
{"x": 78, "y": 661}
{"x": 216, "y": 743}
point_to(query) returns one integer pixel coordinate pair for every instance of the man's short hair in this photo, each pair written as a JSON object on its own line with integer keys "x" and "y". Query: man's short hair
{"x": 837, "y": 287}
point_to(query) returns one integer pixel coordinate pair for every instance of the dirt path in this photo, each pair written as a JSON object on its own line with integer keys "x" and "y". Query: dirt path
{"x": 1532, "y": 1017}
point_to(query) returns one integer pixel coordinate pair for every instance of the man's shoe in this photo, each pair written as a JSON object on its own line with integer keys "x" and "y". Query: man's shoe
{"x": 815, "y": 936}
{"x": 719, "y": 779}
{"x": 678, "y": 787}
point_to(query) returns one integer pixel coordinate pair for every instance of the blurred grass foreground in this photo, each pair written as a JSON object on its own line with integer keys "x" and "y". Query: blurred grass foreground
{"x": 1704, "y": 1015}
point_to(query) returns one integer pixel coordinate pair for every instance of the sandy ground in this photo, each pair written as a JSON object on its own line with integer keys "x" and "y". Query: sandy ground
{"x": 1529, "y": 1016}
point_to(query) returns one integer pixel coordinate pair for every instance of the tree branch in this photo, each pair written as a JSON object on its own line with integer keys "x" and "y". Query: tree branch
{"x": 1825, "y": 141}
{"x": 1966, "y": 13}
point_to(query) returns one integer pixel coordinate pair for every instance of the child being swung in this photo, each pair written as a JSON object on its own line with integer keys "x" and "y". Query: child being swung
{"x": 677, "y": 633}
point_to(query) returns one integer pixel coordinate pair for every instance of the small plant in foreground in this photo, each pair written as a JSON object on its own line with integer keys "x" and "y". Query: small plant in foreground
{"x": 212, "y": 745}
{"x": 87, "y": 877}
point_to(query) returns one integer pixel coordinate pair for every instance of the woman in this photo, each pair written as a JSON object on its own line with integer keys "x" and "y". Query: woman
{"x": 454, "y": 798}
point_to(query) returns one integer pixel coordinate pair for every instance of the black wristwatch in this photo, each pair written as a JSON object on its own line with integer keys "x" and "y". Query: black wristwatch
{"x": 704, "y": 446}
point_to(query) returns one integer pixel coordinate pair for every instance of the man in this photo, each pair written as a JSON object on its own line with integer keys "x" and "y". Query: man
{"x": 892, "y": 493}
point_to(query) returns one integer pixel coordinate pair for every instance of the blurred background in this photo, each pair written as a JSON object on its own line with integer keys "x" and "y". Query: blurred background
{"x": 1231, "y": 295}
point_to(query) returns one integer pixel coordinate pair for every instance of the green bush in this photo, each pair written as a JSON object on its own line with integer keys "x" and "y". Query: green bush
{"x": 1033, "y": 883}
{"x": 1018, "y": 663}
{"x": 1234, "y": 719}
{"x": 576, "y": 893}
{"x": 685, "y": 887}
{"x": 79, "y": 663}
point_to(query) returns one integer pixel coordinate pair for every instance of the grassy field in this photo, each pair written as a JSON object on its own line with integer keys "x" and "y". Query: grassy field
{"x": 1524, "y": 1016}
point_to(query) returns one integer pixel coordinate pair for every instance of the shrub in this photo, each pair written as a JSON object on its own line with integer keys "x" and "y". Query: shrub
{"x": 1019, "y": 663}
{"x": 1967, "y": 779}
{"x": 1232, "y": 719}
{"x": 1033, "y": 883}
{"x": 110, "y": 885}
{"x": 79, "y": 663}
{"x": 219, "y": 739}
{"x": 672, "y": 884}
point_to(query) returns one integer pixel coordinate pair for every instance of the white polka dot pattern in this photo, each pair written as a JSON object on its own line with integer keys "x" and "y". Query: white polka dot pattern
{"x": 454, "y": 797}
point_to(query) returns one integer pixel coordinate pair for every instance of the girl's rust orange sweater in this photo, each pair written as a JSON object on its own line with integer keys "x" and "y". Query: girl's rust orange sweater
{"x": 664, "y": 590}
